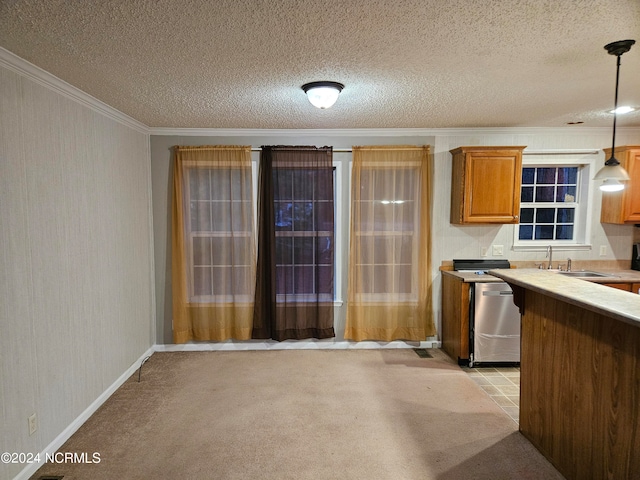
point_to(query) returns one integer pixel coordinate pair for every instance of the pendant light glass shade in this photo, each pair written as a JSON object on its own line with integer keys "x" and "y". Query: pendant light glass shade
{"x": 609, "y": 185}
{"x": 322, "y": 94}
{"x": 612, "y": 173}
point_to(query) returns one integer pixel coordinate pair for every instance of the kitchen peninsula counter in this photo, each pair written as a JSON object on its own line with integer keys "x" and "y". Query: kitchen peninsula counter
{"x": 582, "y": 293}
{"x": 579, "y": 373}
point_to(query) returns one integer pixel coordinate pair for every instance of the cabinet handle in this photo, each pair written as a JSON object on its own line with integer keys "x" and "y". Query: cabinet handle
{"x": 515, "y": 217}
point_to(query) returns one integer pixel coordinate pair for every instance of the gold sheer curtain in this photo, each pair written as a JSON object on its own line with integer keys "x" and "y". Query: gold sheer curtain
{"x": 213, "y": 244}
{"x": 389, "y": 292}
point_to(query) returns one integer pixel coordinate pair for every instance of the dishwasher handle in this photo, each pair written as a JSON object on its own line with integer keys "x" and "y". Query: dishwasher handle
{"x": 495, "y": 293}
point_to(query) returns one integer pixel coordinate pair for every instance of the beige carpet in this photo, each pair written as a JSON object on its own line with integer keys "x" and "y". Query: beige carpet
{"x": 302, "y": 414}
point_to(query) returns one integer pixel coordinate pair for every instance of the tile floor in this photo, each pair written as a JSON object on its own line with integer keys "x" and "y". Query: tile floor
{"x": 502, "y": 384}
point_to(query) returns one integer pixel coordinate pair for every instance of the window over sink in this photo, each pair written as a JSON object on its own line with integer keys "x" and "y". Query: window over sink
{"x": 553, "y": 205}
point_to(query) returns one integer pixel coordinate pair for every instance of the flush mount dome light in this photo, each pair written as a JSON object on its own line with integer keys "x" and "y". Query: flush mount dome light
{"x": 322, "y": 94}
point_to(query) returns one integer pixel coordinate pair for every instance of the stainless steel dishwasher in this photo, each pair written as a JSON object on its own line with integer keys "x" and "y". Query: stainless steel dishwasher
{"x": 494, "y": 320}
{"x": 495, "y": 325}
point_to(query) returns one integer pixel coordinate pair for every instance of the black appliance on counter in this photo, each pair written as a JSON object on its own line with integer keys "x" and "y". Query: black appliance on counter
{"x": 479, "y": 265}
{"x": 635, "y": 257}
{"x": 494, "y": 320}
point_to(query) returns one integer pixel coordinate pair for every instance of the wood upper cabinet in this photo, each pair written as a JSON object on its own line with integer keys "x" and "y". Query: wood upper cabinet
{"x": 485, "y": 184}
{"x": 624, "y": 206}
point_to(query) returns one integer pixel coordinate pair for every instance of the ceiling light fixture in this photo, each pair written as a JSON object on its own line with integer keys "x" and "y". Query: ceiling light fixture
{"x": 611, "y": 185}
{"x": 322, "y": 94}
{"x": 612, "y": 173}
{"x": 622, "y": 110}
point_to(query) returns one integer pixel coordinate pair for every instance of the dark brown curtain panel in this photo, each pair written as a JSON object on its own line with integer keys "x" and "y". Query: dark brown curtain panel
{"x": 296, "y": 237}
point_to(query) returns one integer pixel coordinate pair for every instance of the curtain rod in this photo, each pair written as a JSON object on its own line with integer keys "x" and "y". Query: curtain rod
{"x": 335, "y": 150}
{"x": 533, "y": 152}
{"x": 349, "y": 150}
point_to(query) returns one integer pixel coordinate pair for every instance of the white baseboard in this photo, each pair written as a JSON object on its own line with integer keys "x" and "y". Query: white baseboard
{"x": 53, "y": 447}
{"x": 328, "y": 344}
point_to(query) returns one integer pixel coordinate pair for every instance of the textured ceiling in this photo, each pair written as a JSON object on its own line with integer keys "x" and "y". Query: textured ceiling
{"x": 404, "y": 63}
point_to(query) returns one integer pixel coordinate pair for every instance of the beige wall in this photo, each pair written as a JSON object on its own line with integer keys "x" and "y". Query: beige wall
{"x": 449, "y": 241}
{"x": 76, "y": 308}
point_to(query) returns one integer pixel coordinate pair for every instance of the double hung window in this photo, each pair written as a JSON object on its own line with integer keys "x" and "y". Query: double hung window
{"x": 386, "y": 232}
{"x": 304, "y": 232}
{"x": 553, "y": 205}
{"x": 220, "y": 233}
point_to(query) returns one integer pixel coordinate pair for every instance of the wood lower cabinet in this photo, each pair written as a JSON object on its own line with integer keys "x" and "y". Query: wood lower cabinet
{"x": 485, "y": 184}
{"x": 579, "y": 388}
{"x": 455, "y": 314}
{"x": 624, "y": 206}
{"x": 455, "y": 317}
{"x": 620, "y": 286}
{"x": 627, "y": 287}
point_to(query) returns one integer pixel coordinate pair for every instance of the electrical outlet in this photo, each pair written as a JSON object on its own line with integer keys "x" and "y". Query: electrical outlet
{"x": 33, "y": 424}
{"x": 484, "y": 251}
{"x": 498, "y": 250}
{"x": 603, "y": 250}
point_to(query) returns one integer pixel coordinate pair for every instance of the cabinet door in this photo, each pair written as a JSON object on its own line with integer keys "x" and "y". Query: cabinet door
{"x": 624, "y": 206}
{"x": 620, "y": 286}
{"x": 455, "y": 318}
{"x": 632, "y": 190}
{"x": 486, "y": 184}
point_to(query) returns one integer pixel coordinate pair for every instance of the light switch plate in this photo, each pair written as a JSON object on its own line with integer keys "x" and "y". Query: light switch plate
{"x": 603, "y": 250}
{"x": 498, "y": 250}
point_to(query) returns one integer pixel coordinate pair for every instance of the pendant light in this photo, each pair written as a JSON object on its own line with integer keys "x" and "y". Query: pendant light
{"x": 612, "y": 173}
{"x": 322, "y": 94}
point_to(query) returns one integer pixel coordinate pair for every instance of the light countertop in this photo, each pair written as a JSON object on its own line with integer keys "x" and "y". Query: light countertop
{"x": 614, "y": 276}
{"x": 470, "y": 277}
{"x": 611, "y": 302}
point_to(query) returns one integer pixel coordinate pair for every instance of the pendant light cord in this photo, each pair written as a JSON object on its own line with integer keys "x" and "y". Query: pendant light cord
{"x": 613, "y": 160}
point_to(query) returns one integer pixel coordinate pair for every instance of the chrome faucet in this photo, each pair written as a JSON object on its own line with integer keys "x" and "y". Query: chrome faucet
{"x": 568, "y": 264}
{"x": 550, "y": 255}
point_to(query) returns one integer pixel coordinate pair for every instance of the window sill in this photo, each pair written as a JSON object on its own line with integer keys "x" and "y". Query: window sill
{"x": 557, "y": 247}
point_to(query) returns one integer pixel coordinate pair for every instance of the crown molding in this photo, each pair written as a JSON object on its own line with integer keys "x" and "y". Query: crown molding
{"x": 319, "y": 132}
{"x": 26, "y": 69}
{"x": 384, "y": 132}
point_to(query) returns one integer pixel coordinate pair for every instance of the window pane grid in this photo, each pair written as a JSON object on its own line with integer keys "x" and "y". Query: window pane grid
{"x": 385, "y": 233}
{"x": 303, "y": 208}
{"x": 548, "y": 203}
{"x": 219, "y": 233}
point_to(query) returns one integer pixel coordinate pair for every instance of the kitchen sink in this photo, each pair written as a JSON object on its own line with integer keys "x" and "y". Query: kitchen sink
{"x": 584, "y": 274}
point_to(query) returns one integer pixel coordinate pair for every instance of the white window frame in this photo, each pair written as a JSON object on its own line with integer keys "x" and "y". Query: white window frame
{"x": 338, "y": 203}
{"x": 312, "y": 297}
{"x": 191, "y": 235}
{"x": 582, "y": 225}
{"x": 410, "y": 298}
